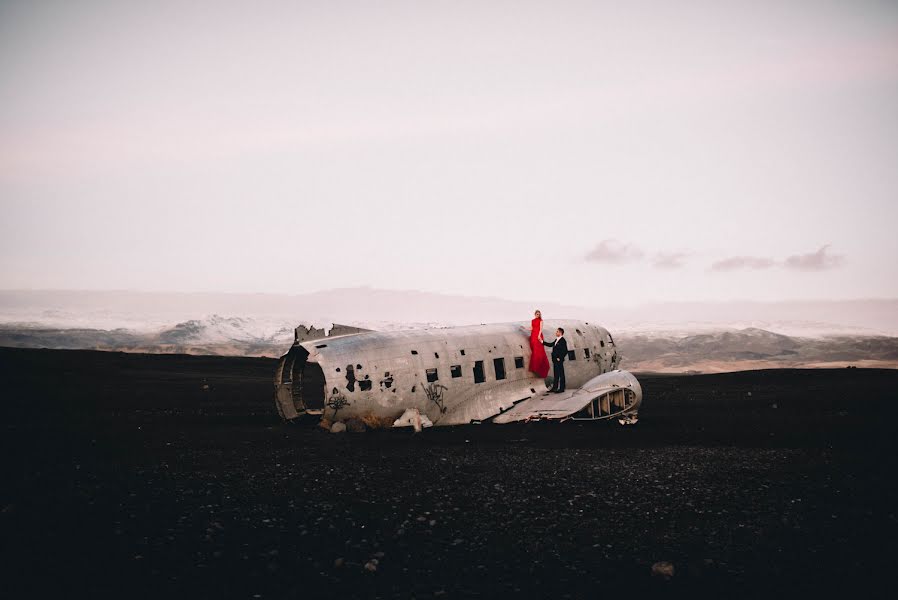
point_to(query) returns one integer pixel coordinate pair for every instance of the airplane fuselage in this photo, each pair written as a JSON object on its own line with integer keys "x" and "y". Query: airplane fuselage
{"x": 453, "y": 375}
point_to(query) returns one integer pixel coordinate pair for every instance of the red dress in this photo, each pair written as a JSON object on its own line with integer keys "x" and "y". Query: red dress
{"x": 539, "y": 362}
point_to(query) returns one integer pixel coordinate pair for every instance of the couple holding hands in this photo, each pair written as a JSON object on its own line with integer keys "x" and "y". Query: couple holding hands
{"x": 539, "y": 363}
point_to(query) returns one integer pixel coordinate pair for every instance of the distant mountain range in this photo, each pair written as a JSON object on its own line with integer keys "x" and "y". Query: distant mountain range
{"x": 143, "y": 311}
{"x": 665, "y": 337}
{"x": 734, "y": 350}
{"x": 753, "y": 348}
{"x": 233, "y": 336}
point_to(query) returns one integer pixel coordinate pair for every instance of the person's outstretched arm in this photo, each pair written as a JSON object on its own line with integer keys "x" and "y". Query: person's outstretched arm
{"x": 550, "y": 344}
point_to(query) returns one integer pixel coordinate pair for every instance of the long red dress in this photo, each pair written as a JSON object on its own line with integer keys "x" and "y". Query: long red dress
{"x": 539, "y": 362}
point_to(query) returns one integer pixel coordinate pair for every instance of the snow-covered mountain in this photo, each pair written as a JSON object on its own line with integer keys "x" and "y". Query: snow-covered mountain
{"x": 216, "y": 329}
{"x": 145, "y": 311}
{"x": 651, "y": 338}
{"x": 729, "y": 350}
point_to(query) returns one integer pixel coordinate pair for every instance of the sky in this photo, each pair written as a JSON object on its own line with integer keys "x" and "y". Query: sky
{"x": 588, "y": 153}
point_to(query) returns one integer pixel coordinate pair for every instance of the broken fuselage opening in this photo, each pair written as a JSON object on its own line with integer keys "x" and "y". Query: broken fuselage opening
{"x": 299, "y": 385}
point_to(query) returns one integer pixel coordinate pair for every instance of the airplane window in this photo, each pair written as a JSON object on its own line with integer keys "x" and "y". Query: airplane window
{"x": 321, "y": 346}
{"x": 518, "y": 362}
{"x": 462, "y": 352}
{"x": 602, "y": 343}
{"x": 455, "y": 370}
{"x": 478, "y": 372}
{"x": 571, "y": 355}
{"x": 436, "y": 355}
{"x": 432, "y": 375}
{"x": 414, "y": 352}
{"x": 586, "y": 352}
{"x": 499, "y": 366}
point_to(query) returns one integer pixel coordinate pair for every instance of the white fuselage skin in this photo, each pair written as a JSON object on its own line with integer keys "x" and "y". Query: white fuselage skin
{"x": 452, "y": 375}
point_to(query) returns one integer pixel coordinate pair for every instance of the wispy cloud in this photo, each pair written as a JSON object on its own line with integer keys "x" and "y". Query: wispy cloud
{"x": 736, "y": 263}
{"x": 820, "y": 260}
{"x": 614, "y": 252}
{"x": 670, "y": 260}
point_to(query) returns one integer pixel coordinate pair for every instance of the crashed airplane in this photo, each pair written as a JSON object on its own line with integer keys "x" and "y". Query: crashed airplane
{"x": 451, "y": 376}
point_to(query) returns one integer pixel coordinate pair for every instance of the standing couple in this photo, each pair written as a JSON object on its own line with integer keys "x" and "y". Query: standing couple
{"x": 539, "y": 364}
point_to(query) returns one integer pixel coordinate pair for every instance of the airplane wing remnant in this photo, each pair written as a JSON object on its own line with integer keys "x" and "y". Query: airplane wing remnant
{"x": 606, "y": 396}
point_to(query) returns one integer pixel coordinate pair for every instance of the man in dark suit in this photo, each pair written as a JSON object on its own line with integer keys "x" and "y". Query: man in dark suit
{"x": 559, "y": 353}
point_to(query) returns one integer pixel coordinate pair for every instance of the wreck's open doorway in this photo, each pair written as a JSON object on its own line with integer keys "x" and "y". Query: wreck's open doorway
{"x": 299, "y": 388}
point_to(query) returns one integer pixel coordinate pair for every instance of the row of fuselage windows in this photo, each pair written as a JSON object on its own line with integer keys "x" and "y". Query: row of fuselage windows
{"x": 498, "y": 367}
{"x": 479, "y": 373}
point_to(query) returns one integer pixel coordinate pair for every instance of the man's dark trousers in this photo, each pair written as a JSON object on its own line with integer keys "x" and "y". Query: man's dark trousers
{"x": 559, "y": 383}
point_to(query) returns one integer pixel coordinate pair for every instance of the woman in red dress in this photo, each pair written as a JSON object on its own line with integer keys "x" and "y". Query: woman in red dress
{"x": 539, "y": 362}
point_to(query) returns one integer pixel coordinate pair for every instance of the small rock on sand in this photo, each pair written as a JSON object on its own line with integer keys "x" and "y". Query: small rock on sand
{"x": 663, "y": 569}
{"x": 338, "y": 427}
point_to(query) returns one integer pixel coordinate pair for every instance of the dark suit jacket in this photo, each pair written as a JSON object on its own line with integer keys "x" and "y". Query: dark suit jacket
{"x": 559, "y": 349}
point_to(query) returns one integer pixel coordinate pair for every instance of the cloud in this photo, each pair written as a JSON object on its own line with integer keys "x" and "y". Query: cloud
{"x": 736, "y": 263}
{"x": 613, "y": 252}
{"x": 820, "y": 260}
{"x": 669, "y": 260}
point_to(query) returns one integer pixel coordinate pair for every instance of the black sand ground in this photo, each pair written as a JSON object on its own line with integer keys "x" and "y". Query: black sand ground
{"x": 122, "y": 476}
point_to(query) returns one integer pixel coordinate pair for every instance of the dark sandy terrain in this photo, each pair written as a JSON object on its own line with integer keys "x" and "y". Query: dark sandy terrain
{"x": 122, "y": 476}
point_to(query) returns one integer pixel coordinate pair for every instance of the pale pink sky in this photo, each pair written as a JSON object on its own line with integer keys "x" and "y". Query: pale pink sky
{"x": 585, "y": 152}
